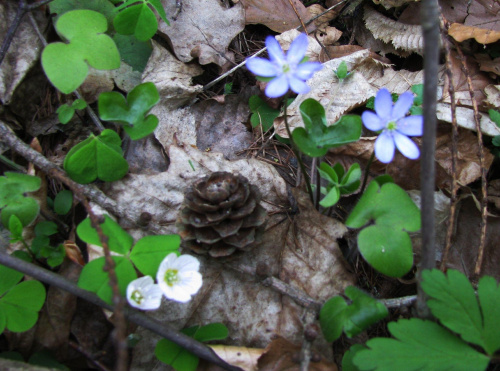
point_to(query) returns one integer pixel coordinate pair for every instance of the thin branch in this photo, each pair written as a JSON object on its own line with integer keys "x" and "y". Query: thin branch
{"x": 162, "y": 329}
{"x": 431, "y": 34}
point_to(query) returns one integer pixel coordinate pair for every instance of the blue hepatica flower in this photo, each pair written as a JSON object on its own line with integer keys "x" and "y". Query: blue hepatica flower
{"x": 287, "y": 70}
{"x": 395, "y": 125}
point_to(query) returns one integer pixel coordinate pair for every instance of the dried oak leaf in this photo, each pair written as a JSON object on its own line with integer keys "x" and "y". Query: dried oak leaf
{"x": 461, "y": 32}
{"x": 400, "y": 35}
{"x": 388, "y": 4}
{"x": 278, "y": 15}
{"x": 365, "y": 39}
{"x": 203, "y": 30}
{"x": 281, "y": 355}
{"x": 19, "y": 58}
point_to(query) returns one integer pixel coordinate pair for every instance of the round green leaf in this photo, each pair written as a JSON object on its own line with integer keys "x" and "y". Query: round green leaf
{"x": 149, "y": 252}
{"x": 25, "y": 208}
{"x": 63, "y": 202}
{"x": 8, "y": 278}
{"x": 138, "y": 20}
{"x": 65, "y": 113}
{"x": 134, "y": 52}
{"x": 332, "y": 318}
{"x": 212, "y": 331}
{"x": 387, "y": 249}
{"x": 331, "y": 198}
{"x": 119, "y": 240}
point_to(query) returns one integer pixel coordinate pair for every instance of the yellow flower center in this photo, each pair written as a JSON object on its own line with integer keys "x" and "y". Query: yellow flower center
{"x": 391, "y": 125}
{"x": 137, "y": 296}
{"x": 171, "y": 277}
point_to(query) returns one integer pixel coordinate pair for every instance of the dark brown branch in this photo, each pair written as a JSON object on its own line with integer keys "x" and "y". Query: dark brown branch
{"x": 51, "y": 278}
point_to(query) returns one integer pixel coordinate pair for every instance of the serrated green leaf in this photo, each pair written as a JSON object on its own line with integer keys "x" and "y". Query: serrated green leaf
{"x": 119, "y": 240}
{"x": 149, "y": 252}
{"x": 262, "y": 114}
{"x": 419, "y": 345}
{"x": 138, "y": 20}
{"x": 494, "y": 116}
{"x": 132, "y": 111}
{"x": 63, "y": 202}
{"x": 134, "y": 52}
{"x": 96, "y": 158}
{"x": 212, "y": 331}
{"x": 66, "y": 65}
{"x": 93, "y": 278}
{"x": 22, "y": 304}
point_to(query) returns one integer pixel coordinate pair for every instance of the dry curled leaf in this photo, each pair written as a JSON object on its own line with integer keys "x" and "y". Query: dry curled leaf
{"x": 242, "y": 357}
{"x": 493, "y": 96}
{"x": 461, "y": 32}
{"x": 203, "y": 30}
{"x": 388, "y": 4}
{"x": 322, "y": 23}
{"x": 487, "y": 64}
{"x": 313, "y": 47}
{"x": 400, "y": 35}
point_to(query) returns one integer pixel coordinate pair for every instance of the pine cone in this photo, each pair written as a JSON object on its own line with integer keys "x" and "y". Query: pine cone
{"x": 221, "y": 214}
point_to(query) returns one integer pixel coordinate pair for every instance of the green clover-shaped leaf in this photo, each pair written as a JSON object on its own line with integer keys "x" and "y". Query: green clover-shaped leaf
{"x": 66, "y": 65}
{"x": 138, "y": 19}
{"x": 262, "y": 114}
{"x": 97, "y": 158}
{"x": 65, "y": 112}
{"x": 131, "y": 111}
{"x": 149, "y": 251}
{"x": 386, "y": 244}
{"x": 316, "y": 138}
{"x": 12, "y": 199}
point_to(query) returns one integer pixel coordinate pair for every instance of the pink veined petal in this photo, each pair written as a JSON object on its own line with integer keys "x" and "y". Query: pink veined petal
{"x": 402, "y": 106}
{"x": 305, "y": 70}
{"x": 384, "y": 147}
{"x": 383, "y": 104}
{"x": 406, "y": 146}
{"x": 277, "y": 87}
{"x": 187, "y": 263}
{"x": 261, "y": 67}
{"x": 411, "y": 125}
{"x": 297, "y": 49}
{"x": 297, "y": 85}
{"x": 274, "y": 50}
{"x": 372, "y": 121}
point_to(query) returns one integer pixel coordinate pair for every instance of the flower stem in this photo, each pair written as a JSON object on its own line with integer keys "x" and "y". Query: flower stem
{"x": 297, "y": 153}
{"x": 367, "y": 169}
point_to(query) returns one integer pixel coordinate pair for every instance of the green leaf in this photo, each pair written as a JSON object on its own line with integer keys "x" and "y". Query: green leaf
{"x": 212, "y": 331}
{"x": 45, "y": 359}
{"x": 159, "y": 8}
{"x": 331, "y": 198}
{"x": 174, "y": 355}
{"x": 3, "y": 322}
{"x": 351, "y": 181}
{"x": 66, "y": 65}
{"x": 96, "y": 158}
{"x": 386, "y": 245}
{"x": 12, "y": 200}
{"x": 63, "y": 202}
{"x": 149, "y": 252}
{"x": 328, "y": 173}
{"x": 26, "y": 209}
{"x": 138, "y": 20}
{"x": 56, "y": 255}
{"x": 134, "y": 52}
{"x": 45, "y": 228}
{"x": 347, "y": 359}
{"x": 262, "y": 114}
{"x": 22, "y": 304}
{"x": 131, "y": 112}
{"x": 494, "y": 116}
{"x": 453, "y": 301}
{"x": 341, "y": 70}
{"x": 419, "y": 345}
{"x": 106, "y": 8}
{"x": 65, "y": 113}
{"x": 15, "y": 228}
{"x": 119, "y": 240}
{"x": 336, "y": 315}
{"x": 418, "y": 90}
{"x": 94, "y": 278}
{"x": 8, "y": 278}
{"x": 496, "y": 141}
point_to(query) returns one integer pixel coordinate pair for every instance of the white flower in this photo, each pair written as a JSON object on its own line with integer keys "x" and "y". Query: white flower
{"x": 178, "y": 277}
{"x": 142, "y": 293}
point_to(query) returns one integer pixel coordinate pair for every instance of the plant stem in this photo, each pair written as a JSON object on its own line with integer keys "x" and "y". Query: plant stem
{"x": 367, "y": 170}
{"x": 297, "y": 153}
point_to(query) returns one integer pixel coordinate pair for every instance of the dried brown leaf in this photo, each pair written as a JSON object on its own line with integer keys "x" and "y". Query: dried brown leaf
{"x": 242, "y": 357}
{"x": 465, "y": 119}
{"x": 365, "y": 39}
{"x": 313, "y": 47}
{"x": 461, "y": 32}
{"x": 339, "y": 51}
{"x": 203, "y": 30}
{"x": 388, "y": 4}
{"x": 487, "y": 64}
{"x": 493, "y": 96}
{"x": 322, "y": 23}
{"x": 278, "y": 15}
{"x": 400, "y": 35}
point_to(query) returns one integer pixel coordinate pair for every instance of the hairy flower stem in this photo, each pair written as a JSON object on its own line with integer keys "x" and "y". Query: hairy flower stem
{"x": 367, "y": 171}
{"x": 297, "y": 153}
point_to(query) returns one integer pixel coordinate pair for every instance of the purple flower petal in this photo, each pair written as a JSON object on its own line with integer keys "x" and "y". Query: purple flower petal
{"x": 274, "y": 50}
{"x": 297, "y": 49}
{"x": 277, "y": 87}
{"x": 402, "y": 106}
{"x": 384, "y": 147}
{"x": 305, "y": 70}
{"x": 372, "y": 121}
{"x": 406, "y": 146}
{"x": 383, "y": 104}
{"x": 261, "y": 67}
{"x": 411, "y": 125}
{"x": 298, "y": 86}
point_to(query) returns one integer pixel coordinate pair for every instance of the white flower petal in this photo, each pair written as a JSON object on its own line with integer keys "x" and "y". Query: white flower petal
{"x": 383, "y": 104}
{"x": 297, "y": 49}
{"x": 274, "y": 50}
{"x": 384, "y": 147}
{"x": 277, "y": 87}
{"x": 411, "y": 125}
{"x": 298, "y": 86}
{"x": 402, "y": 106}
{"x": 177, "y": 293}
{"x": 372, "y": 121}
{"x": 146, "y": 291}
{"x": 305, "y": 70}
{"x": 406, "y": 146}
{"x": 186, "y": 263}
{"x": 261, "y": 67}
{"x": 191, "y": 282}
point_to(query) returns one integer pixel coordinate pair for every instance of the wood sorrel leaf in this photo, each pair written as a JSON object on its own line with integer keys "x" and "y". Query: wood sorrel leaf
{"x": 96, "y": 158}
{"x": 12, "y": 199}
{"x": 453, "y": 301}
{"x": 63, "y": 202}
{"x": 66, "y": 65}
{"x": 419, "y": 345}
{"x": 262, "y": 114}
{"x": 131, "y": 111}
{"x": 149, "y": 251}
{"x": 386, "y": 244}
{"x": 119, "y": 240}
{"x": 138, "y": 20}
